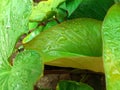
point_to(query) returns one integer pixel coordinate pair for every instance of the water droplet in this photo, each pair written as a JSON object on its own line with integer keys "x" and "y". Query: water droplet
{"x": 7, "y": 26}
{"x": 17, "y": 73}
{"x": 8, "y": 22}
{"x": 61, "y": 39}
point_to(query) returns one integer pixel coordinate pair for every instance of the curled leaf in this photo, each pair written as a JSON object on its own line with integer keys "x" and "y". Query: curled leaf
{"x": 111, "y": 48}
{"x": 79, "y": 38}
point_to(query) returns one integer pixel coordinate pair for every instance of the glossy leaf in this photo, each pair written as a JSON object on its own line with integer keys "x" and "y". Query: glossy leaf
{"x": 45, "y": 10}
{"x": 75, "y": 38}
{"x": 111, "y": 50}
{"x": 72, "y": 85}
{"x": 92, "y": 9}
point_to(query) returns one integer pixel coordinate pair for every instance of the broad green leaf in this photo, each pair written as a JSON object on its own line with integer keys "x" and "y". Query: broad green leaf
{"x": 72, "y": 85}
{"x": 27, "y": 67}
{"x": 5, "y": 50}
{"x": 75, "y": 38}
{"x": 45, "y": 10}
{"x": 111, "y": 48}
{"x": 92, "y": 9}
{"x": 13, "y": 24}
{"x": 26, "y": 71}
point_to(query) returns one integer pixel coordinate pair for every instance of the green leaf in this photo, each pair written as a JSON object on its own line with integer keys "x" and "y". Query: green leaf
{"x": 75, "y": 38}
{"x": 26, "y": 71}
{"x": 72, "y": 85}
{"x": 45, "y": 10}
{"x": 4, "y": 76}
{"x": 37, "y": 30}
{"x": 13, "y": 24}
{"x": 50, "y": 24}
{"x": 111, "y": 50}
{"x": 11, "y": 29}
{"x": 92, "y": 9}
{"x": 117, "y": 1}
{"x": 33, "y": 25}
{"x": 33, "y": 34}
{"x": 27, "y": 65}
{"x": 70, "y": 5}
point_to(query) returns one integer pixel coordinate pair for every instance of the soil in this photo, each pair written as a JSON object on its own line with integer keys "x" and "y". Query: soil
{"x": 52, "y": 75}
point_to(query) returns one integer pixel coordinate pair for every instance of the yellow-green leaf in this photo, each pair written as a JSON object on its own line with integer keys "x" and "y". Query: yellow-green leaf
{"x": 79, "y": 38}
{"x": 111, "y": 48}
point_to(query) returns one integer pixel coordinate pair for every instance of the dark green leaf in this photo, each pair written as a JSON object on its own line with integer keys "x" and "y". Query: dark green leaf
{"x": 50, "y": 24}
{"x": 111, "y": 51}
{"x": 70, "y": 5}
{"x": 72, "y": 85}
{"x": 92, "y": 9}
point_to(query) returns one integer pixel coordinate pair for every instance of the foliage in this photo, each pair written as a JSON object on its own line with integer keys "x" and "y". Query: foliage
{"x": 44, "y": 10}
{"x": 64, "y": 41}
{"x": 27, "y": 65}
{"x": 70, "y": 5}
{"x": 54, "y": 39}
{"x": 111, "y": 39}
{"x": 92, "y": 9}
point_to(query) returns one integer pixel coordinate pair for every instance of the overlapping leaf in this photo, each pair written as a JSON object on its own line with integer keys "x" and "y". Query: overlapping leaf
{"x": 26, "y": 71}
{"x": 14, "y": 16}
{"x": 72, "y": 44}
{"x": 92, "y": 9}
{"x": 111, "y": 39}
{"x": 45, "y": 10}
{"x": 70, "y": 5}
{"x": 13, "y": 24}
